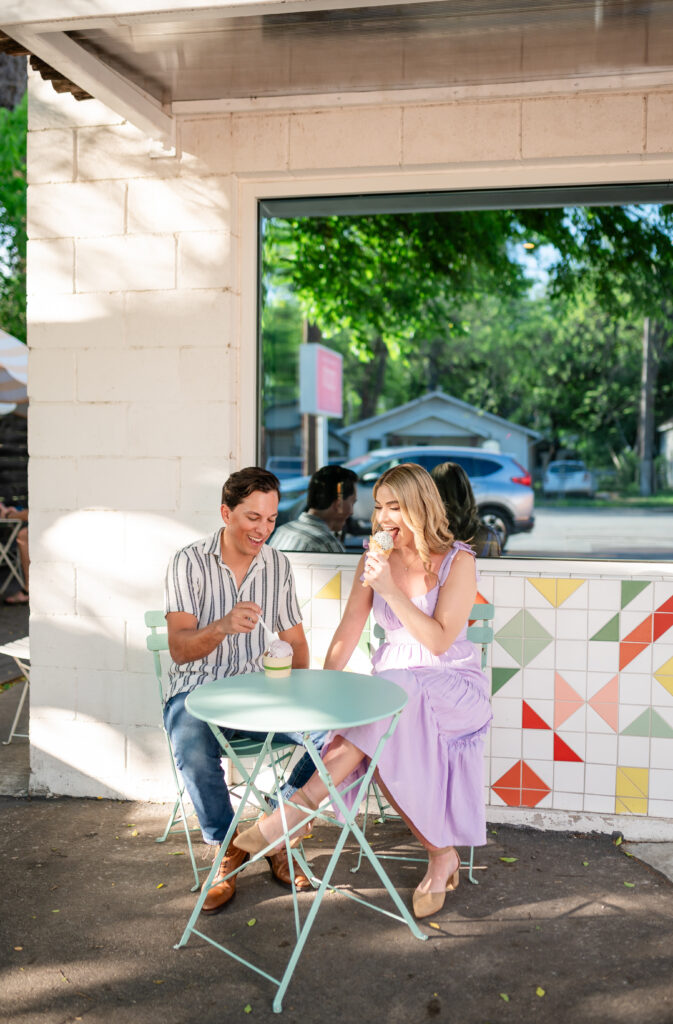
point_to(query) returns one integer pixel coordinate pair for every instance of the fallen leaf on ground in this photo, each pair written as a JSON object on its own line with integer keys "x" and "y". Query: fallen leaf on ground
{"x": 618, "y": 841}
{"x": 509, "y": 860}
{"x": 252, "y": 921}
{"x": 18, "y": 948}
{"x": 160, "y": 885}
{"x": 434, "y": 925}
{"x": 630, "y": 885}
{"x": 158, "y": 981}
{"x": 585, "y": 863}
{"x": 539, "y": 991}
{"x": 504, "y": 996}
{"x": 135, "y": 832}
{"x": 56, "y": 911}
{"x": 247, "y": 1009}
{"x": 176, "y": 853}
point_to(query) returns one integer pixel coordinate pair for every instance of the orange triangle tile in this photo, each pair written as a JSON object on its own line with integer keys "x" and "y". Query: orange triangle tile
{"x": 530, "y": 719}
{"x": 627, "y": 652}
{"x": 562, "y": 752}
{"x": 642, "y": 634}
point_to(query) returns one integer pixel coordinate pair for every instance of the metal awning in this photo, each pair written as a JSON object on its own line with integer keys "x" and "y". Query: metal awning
{"x": 150, "y": 62}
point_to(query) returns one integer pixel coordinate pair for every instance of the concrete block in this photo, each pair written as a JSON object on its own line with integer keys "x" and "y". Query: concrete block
{"x": 51, "y": 266}
{"x": 586, "y": 125}
{"x": 182, "y": 428}
{"x": 369, "y": 137}
{"x": 220, "y": 380}
{"x": 78, "y": 758}
{"x": 107, "y": 375}
{"x": 111, "y": 593}
{"x": 181, "y": 204}
{"x": 659, "y": 123}
{"x": 115, "y": 151}
{"x": 54, "y": 479}
{"x": 460, "y": 132}
{"x": 52, "y": 588}
{"x": 49, "y": 109}
{"x": 176, "y": 318}
{"x": 59, "y": 429}
{"x": 205, "y": 145}
{"x": 260, "y": 142}
{"x": 75, "y": 321}
{"x": 51, "y": 375}
{"x": 93, "y": 537}
{"x": 128, "y": 484}
{"x": 125, "y": 263}
{"x": 205, "y": 260}
{"x": 76, "y": 209}
{"x": 53, "y": 692}
{"x": 201, "y": 483}
{"x": 146, "y": 749}
{"x": 119, "y": 698}
{"x": 51, "y": 156}
{"x": 76, "y": 642}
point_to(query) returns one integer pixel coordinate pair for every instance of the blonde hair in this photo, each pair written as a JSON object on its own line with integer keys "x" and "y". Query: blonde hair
{"x": 421, "y": 507}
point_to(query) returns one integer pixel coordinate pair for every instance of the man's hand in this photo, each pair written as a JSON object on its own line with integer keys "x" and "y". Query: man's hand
{"x": 242, "y": 618}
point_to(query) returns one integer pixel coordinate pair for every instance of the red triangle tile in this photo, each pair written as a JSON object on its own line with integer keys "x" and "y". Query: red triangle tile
{"x": 627, "y": 652}
{"x": 667, "y": 606}
{"x": 662, "y": 622}
{"x": 642, "y": 634}
{"x": 530, "y": 719}
{"x": 562, "y": 752}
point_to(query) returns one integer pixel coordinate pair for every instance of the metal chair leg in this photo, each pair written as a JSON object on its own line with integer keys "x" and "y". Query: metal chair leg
{"x": 12, "y": 731}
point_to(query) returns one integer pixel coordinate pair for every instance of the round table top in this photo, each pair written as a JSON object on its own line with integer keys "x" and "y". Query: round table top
{"x": 306, "y": 700}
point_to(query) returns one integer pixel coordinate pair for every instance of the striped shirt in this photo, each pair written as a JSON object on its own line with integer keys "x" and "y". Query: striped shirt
{"x": 199, "y": 582}
{"x": 307, "y": 533}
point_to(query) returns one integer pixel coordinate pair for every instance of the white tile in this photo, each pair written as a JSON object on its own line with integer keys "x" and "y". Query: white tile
{"x": 569, "y": 777}
{"x": 596, "y": 723}
{"x": 577, "y": 722}
{"x": 642, "y": 602}
{"x": 508, "y": 592}
{"x": 571, "y": 625}
{"x": 661, "y": 697}
{"x": 601, "y": 749}
{"x": 485, "y": 583}
{"x": 543, "y": 708}
{"x": 546, "y": 659}
{"x": 537, "y": 744}
{"x": 660, "y": 786}
{"x": 538, "y": 683}
{"x": 634, "y": 751}
{"x": 544, "y": 769}
{"x": 502, "y": 658}
{"x": 642, "y": 663}
{"x": 578, "y": 599}
{"x": 600, "y": 779}
{"x": 506, "y": 743}
{"x": 567, "y": 801}
{"x": 506, "y": 712}
{"x": 499, "y": 766}
{"x": 663, "y": 591}
{"x": 604, "y": 594}
{"x": 596, "y": 681}
{"x": 571, "y": 655}
{"x": 575, "y": 740}
{"x": 596, "y": 620}
{"x": 547, "y": 802}
{"x": 660, "y": 808}
{"x": 325, "y": 613}
{"x": 662, "y": 653}
{"x": 603, "y": 657}
{"x": 634, "y": 689}
{"x": 533, "y": 598}
{"x": 576, "y": 679}
{"x": 661, "y": 753}
{"x": 599, "y": 804}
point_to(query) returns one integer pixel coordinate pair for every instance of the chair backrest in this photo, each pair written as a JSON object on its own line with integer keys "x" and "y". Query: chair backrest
{"x": 157, "y": 641}
{"x": 479, "y": 630}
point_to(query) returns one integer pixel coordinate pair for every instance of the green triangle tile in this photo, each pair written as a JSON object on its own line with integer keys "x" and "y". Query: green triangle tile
{"x": 640, "y": 726}
{"x": 500, "y": 676}
{"x": 631, "y": 589}
{"x": 515, "y": 626}
{"x": 532, "y": 646}
{"x": 660, "y": 727}
{"x": 514, "y": 647}
{"x": 532, "y": 628}
{"x": 610, "y": 631}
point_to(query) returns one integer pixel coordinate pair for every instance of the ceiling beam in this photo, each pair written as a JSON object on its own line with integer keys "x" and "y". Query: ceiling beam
{"x": 96, "y": 78}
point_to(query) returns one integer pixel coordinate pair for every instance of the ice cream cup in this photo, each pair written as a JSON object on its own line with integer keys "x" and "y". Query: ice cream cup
{"x": 277, "y": 668}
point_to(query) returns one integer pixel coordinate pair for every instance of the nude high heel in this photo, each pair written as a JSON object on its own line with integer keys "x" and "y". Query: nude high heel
{"x": 428, "y": 903}
{"x": 253, "y": 839}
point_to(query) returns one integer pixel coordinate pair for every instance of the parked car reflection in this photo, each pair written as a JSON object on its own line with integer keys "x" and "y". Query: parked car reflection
{"x": 568, "y": 476}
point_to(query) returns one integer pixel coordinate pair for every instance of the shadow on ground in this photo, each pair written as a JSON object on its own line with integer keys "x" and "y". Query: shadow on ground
{"x": 92, "y": 907}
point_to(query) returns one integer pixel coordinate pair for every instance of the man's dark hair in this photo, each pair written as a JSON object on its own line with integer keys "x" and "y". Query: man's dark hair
{"x": 328, "y": 484}
{"x": 240, "y": 485}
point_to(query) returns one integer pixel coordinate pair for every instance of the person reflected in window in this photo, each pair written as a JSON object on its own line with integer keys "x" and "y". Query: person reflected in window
{"x": 331, "y": 496}
{"x": 456, "y": 492}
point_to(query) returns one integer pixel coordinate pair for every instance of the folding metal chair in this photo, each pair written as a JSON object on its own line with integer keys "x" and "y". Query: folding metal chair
{"x": 479, "y": 631}
{"x": 236, "y": 749}
{"x": 20, "y": 651}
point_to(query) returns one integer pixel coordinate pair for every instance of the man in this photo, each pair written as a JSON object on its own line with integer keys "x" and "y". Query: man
{"x": 330, "y": 500}
{"x": 216, "y": 591}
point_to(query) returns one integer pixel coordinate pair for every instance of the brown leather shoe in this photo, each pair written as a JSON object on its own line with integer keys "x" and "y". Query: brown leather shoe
{"x": 221, "y": 893}
{"x": 280, "y": 871}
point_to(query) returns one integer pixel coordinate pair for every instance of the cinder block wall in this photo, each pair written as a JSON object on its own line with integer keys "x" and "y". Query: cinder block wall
{"x": 139, "y": 327}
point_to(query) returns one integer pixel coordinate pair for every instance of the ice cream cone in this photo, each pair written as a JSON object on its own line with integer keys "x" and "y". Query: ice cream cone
{"x": 380, "y": 544}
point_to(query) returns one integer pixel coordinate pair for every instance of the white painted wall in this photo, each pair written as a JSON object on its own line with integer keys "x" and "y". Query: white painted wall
{"x": 142, "y": 335}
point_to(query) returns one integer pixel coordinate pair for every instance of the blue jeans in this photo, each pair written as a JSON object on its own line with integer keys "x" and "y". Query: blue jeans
{"x": 198, "y": 756}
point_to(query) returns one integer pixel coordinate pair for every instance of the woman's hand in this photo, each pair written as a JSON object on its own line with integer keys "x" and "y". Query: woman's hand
{"x": 378, "y": 575}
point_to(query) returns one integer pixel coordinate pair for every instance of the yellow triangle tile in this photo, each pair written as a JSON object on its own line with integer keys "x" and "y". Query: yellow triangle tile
{"x": 632, "y": 783}
{"x": 331, "y": 590}
{"x": 545, "y": 587}
{"x": 634, "y": 805}
{"x": 564, "y": 588}
{"x": 664, "y": 675}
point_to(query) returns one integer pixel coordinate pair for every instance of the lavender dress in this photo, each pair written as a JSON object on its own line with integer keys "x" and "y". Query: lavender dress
{"x": 433, "y": 763}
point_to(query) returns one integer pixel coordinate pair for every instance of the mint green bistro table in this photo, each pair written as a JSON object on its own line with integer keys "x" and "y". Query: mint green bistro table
{"x": 306, "y": 701}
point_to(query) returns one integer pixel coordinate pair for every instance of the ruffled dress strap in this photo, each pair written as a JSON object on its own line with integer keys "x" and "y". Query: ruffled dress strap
{"x": 458, "y": 545}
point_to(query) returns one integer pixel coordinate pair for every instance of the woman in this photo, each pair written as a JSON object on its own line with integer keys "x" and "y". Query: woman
{"x": 456, "y": 492}
{"x": 431, "y": 768}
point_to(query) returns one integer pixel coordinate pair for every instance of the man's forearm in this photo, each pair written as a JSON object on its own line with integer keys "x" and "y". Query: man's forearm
{"x": 191, "y": 644}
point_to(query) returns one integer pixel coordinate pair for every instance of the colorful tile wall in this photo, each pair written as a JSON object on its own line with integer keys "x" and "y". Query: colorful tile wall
{"x": 582, "y": 686}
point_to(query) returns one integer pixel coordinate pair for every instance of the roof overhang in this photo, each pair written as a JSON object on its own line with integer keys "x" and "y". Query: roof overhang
{"x": 150, "y": 62}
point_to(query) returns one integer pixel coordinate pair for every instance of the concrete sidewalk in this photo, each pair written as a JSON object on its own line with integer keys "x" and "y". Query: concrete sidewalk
{"x": 92, "y": 907}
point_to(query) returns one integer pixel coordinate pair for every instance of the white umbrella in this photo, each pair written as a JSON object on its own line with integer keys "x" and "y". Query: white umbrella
{"x": 13, "y": 369}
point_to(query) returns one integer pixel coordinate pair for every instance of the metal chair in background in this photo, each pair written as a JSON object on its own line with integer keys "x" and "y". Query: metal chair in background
{"x": 480, "y": 632}
{"x": 236, "y": 750}
{"x": 20, "y": 651}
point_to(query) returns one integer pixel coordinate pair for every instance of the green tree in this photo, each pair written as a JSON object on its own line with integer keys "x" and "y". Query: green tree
{"x": 13, "y": 128}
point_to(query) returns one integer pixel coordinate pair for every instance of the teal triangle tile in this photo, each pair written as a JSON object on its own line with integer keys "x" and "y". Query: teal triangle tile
{"x": 640, "y": 726}
{"x": 610, "y": 631}
{"x": 514, "y": 647}
{"x": 532, "y": 628}
{"x": 500, "y": 677}
{"x": 515, "y": 627}
{"x": 631, "y": 589}
{"x": 660, "y": 727}
{"x": 532, "y": 645}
